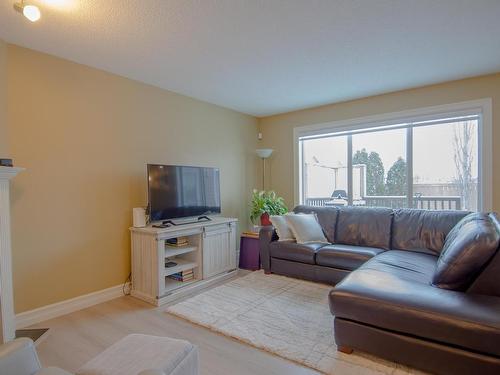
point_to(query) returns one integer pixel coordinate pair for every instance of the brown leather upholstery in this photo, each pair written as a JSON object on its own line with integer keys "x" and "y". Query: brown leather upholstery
{"x": 420, "y": 353}
{"x": 326, "y": 275}
{"x": 388, "y": 306}
{"x": 303, "y": 253}
{"x": 327, "y": 218}
{"x": 487, "y": 282}
{"x": 423, "y": 230}
{"x": 468, "y": 247}
{"x": 406, "y": 265}
{"x": 388, "y": 293}
{"x": 346, "y": 257}
{"x": 362, "y": 226}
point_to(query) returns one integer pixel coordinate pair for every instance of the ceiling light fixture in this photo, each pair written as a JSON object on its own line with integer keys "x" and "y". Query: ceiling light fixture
{"x": 31, "y": 12}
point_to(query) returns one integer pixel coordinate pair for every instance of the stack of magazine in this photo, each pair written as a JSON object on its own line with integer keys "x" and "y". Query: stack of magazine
{"x": 183, "y": 276}
{"x": 177, "y": 242}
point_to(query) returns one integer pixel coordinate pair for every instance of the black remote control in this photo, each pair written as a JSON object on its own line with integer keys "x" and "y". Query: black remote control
{"x": 161, "y": 226}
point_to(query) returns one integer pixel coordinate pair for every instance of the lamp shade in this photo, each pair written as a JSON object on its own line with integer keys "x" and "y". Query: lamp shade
{"x": 264, "y": 153}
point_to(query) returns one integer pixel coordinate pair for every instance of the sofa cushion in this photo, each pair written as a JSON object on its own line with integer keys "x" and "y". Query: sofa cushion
{"x": 282, "y": 228}
{"x": 423, "y": 230}
{"x": 407, "y": 265}
{"x": 468, "y": 247}
{"x": 303, "y": 253}
{"x": 346, "y": 257}
{"x": 363, "y": 226}
{"x": 392, "y": 292}
{"x": 305, "y": 228}
{"x": 327, "y": 218}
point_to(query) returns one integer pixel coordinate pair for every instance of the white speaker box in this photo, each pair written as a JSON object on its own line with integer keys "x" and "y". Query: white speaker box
{"x": 139, "y": 217}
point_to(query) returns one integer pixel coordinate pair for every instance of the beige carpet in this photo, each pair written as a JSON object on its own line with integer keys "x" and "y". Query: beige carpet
{"x": 284, "y": 316}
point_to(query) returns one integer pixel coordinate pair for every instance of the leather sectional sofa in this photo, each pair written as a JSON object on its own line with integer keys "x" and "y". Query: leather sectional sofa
{"x": 384, "y": 263}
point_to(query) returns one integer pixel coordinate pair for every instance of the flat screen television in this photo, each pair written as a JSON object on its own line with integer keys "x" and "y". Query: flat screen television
{"x": 177, "y": 191}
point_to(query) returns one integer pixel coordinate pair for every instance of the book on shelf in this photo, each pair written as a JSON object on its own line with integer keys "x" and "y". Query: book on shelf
{"x": 177, "y": 242}
{"x": 183, "y": 276}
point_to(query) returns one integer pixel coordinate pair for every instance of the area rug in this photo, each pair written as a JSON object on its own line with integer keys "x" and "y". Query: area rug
{"x": 284, "y": 316}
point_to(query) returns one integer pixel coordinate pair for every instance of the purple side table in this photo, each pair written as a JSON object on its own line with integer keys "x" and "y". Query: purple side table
{"x": 249, "y": 251}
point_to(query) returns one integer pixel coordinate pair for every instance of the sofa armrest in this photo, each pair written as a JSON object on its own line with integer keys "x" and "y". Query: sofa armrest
{"x": 266, "y": 236}
{"x": 19, "y": 357}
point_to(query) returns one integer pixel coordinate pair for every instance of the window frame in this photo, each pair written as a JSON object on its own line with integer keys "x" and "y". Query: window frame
{"x": 393, "y": 120}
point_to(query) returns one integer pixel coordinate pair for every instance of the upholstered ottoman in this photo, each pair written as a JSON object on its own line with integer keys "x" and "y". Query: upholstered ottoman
{"x": 136, "y": 353}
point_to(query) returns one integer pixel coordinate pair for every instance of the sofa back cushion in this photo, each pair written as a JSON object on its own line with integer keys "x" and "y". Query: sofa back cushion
{"x": 423, "y": 230}
{"x": 364, "y": 226}
{"x": 327, "y": 218}
{"x": 305, "y": 228}
{"x": 468, "y": 247}
{"x": 488, "y": 281}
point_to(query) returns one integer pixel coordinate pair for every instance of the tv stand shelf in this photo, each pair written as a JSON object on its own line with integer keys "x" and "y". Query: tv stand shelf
{"x": 171, "y": 251}
{"x": 210, "y": 252}
{"x": 182, "y": 265}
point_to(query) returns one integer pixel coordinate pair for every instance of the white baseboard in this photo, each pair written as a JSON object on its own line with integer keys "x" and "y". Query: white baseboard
{"x": 40, "y": 314}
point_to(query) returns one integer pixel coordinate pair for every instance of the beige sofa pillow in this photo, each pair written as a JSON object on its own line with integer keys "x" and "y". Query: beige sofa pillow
{"x": 305, "y": 228}
{"x": 282, "y": 228}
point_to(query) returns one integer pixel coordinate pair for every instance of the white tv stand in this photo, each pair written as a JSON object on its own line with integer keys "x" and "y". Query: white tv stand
{"x": 211, "y": 252}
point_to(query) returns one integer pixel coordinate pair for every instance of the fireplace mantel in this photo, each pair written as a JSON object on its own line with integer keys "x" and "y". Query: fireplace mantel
{"x": 7, "y": 317}
{"x": 9, "y": 172}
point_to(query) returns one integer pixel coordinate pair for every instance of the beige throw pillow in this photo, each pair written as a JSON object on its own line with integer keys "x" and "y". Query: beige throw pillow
{"x": 282, "y": 228}
{"x": 305, "y": 228}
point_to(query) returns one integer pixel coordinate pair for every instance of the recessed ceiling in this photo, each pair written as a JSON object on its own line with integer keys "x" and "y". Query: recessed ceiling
{"x": 264, "y": 57}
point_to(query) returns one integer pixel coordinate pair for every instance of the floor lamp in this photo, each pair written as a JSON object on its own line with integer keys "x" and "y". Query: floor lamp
{"x": 264, "y": 153}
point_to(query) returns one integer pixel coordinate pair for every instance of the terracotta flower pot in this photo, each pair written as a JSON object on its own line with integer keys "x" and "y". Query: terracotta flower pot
{"x": 264, "y": 219}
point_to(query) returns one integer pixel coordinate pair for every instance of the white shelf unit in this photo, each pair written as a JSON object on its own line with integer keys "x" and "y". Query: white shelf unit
{"x": 210, "y": 252}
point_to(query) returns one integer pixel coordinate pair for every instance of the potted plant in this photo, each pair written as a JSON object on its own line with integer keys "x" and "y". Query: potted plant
{"x": 265, "y": 203}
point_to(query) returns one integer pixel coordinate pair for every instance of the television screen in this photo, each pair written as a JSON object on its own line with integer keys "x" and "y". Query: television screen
{"x": 178, "y": 191}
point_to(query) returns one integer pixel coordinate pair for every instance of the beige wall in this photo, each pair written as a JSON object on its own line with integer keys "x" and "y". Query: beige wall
{"x": 4, "y": 151}
{"x": 278, "y": 130}
{"x": 85, "y": 136}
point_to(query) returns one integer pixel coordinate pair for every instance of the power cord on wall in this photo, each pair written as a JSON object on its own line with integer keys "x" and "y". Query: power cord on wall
{"x": 127, "y": 285}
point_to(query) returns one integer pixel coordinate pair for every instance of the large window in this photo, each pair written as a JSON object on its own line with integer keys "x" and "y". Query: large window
{"x": 433, "y": 163}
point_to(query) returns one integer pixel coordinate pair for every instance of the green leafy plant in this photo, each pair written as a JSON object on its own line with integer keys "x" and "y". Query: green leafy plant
{"x": 266, "y": 202}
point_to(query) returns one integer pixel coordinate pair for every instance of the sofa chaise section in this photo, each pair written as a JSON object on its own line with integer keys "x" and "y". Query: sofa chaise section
{"x": 389, "y": 307}
{"x": 393, "y": 298}
{"x": 386, "y": 301}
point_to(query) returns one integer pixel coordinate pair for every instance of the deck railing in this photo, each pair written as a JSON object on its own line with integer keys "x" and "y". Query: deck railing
{"x": 424, "y": 202}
